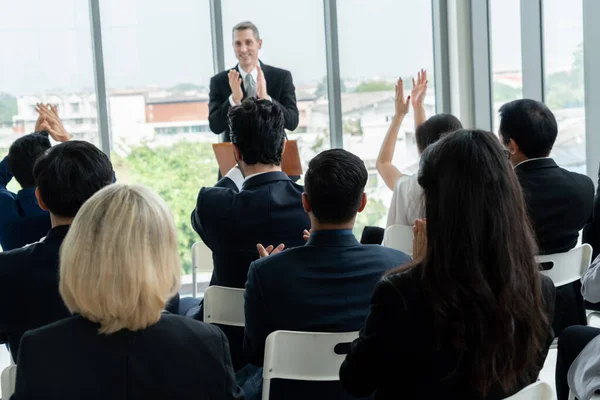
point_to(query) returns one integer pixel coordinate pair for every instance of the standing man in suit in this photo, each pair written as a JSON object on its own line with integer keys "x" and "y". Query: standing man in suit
{"x": 324, "y": 286}
{"x": 267, "y": 209}
{"x": 250, "y": 78}
{"x": 559, "y": 202}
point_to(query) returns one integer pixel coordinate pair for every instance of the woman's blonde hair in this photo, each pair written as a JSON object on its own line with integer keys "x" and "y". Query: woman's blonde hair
{"x": 119, "y": 262}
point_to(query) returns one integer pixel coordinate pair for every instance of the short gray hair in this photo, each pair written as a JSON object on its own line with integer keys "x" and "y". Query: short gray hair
{"x": 246, "y": 25}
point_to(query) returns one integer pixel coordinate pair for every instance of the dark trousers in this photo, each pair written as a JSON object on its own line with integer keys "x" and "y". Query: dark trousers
{"x": 570, "y": 343}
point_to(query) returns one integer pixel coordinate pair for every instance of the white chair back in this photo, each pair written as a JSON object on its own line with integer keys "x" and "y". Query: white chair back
{"x": 8, "y": 380}
{"x": 223, "y": 305}
{"x": 304, "y": 356}
{"x": 567, "y": 267}
{"x": 536, "y": 391}
{"x": 399, "y": 237}
{"x": 202, "y": 261}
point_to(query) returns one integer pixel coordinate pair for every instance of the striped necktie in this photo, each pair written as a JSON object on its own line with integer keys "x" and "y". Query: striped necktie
{"x": 250, "y": 86}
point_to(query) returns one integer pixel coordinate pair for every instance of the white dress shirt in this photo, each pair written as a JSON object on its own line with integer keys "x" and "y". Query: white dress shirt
{"x": 243, "y": 75}
{"x": 235, "y": 174}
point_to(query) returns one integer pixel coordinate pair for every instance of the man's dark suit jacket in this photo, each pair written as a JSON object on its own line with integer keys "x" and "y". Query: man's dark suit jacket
{"x": 29, "y": 296}
{"x": 267, "y": 210}
{"x": 324, "y": 286}
{"x": 177, "y": 358}
{"x": 279, "y": 86}
{"x": 22, "y": 221}
{"x": 399, "y": 356}
{"x": 591, "y": 232}
{"x": 560, "y": 203}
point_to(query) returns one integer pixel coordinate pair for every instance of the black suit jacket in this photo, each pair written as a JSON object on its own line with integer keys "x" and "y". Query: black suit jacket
{"x": 324, "y": 286}
{"x": 559, "y": 203}
{"x": 591, "y": 232}
{"x": 397, "y": 354}
{"x": 279, "y": 86}
{"x": 29, "y": 296}
{"x": 177, "y": 358}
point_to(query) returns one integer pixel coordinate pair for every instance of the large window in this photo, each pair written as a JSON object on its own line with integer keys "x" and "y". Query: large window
{"x": 507, "y": 74}
{"x": 563, "y": 67}
{"x": 158, "y": 64}
{"x": 298, "y": 47}
{"x": 381, "y": 41}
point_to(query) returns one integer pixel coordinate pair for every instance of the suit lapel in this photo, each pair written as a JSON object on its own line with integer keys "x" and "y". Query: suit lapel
{"x": 237, "y": 68}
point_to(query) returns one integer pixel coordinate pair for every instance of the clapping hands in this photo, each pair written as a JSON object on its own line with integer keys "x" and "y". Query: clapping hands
{"x": 419, "y": 89}
{"x": 48, "y": 120}
{"x": 420, "y": 240}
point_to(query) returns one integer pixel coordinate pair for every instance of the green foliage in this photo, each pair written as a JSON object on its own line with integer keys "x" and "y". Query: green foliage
{"x": 375, "y": 86}
{"x": 566, "y": 89}
{"x": 176, "y": 173}
{"x": 504, "y": 93}
{"x": 8, "y": 107}
{"x": 372, "y": 215}
{"x": 322, "y": 87}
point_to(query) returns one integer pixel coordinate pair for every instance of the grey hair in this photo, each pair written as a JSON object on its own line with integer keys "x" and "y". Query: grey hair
{"x": 246, "y": 25}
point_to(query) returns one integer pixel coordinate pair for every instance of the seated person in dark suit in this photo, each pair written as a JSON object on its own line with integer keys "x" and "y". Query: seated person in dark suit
{"x": 22, "y": 221}
{"x": 66, "y": 176}
{"x": 591, "y": 232}
{"x": 119, "y": 345}
{"x": 324, "y": 286}
{"x": 471, "y": 317}
{"x": 559, "y": 202}
{"x": 268, "y": 209}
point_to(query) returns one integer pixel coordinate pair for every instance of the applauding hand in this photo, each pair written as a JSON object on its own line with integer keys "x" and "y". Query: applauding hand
{"x": 235, "y": 83}
{"x": 401, "y": 104}
{"x": 420, "y": 240}
{"x": 419, "y": 89}
{"x": 269, "y": 250}
{"x": 306, "y": 234}
{"x": 261, "y": 84}
{"x": 49, "y": 121}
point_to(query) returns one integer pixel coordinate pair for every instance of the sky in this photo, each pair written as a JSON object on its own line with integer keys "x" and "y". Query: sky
{"x": 46, "y": 45}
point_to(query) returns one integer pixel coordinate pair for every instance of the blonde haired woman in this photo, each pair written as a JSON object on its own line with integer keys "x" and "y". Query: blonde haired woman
{"x": 118, "y": 267}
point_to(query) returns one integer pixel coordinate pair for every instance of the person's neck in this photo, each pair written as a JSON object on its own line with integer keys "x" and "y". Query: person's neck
{"x": 248, "y": 170}
{"x": 518, "y": 158}
{"x": 317, "y": 226}
{"x": 249, "y": 68}
{"x": 57, "y": 220}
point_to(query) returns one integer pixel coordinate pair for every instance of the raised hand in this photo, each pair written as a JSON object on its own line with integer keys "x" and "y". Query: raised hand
{"x": 51, "y": 122}
{"x": 269, "y": 250}
{"x": 420, "y": 240}
{"x": 401, "y": 105}
{"x": 306, "y": 234}
{"x": 235, "y": 83}
{"x": 419, "y": 89}
{"x": 261, "y": 84}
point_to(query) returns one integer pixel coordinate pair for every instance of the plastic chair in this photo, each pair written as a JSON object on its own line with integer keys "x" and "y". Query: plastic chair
{"x": 8, "y": 380}
{"x": 225, "y": 306}
{"x": 201, "y": 261}
{"x": 399, "y": 237}
{"x": 303, "y": 356}
{"x": 536, "y": 391}
{"x": 567, "y": 267}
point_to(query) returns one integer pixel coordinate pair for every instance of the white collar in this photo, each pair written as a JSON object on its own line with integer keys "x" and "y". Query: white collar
{"x": 243, "y": 73}
{"x": 529, "y": 159}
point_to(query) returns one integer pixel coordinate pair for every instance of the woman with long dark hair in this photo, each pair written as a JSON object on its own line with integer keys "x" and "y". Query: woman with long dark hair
{"x": 470, "y": 318}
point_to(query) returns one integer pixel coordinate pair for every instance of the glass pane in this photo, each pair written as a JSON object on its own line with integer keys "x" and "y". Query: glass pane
{"x": 46, "y": 62}
{"x": 158, "y": 63}
{"x": 563, "y": 65}
{"x": 299, "y": 49}
{"x": 505, "y": 21}
{"x": 374, "y": 52}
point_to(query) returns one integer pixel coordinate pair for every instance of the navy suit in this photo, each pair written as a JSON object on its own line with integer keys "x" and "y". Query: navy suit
{"x": 591, "y": 232}
{"x": 22, "y": 221}
{"x": 324, "y": 286}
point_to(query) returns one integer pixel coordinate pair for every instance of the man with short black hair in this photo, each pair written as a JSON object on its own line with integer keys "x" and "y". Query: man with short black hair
{"x": 559, "y": 202}
{"x": 66, "y": 176}
{"x": 324, "y": 286}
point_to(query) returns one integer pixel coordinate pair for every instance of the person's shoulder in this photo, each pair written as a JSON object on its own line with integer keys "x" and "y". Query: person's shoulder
{"x": 284, "y": 258}
{"x": 276, "y": 70}
{"x": 57, "y": 330}
{"x": 20, "y": 256}
{"x": 217, "y": 197}
{"x": 185, "y": 327}
{"x": 220, "y": 76}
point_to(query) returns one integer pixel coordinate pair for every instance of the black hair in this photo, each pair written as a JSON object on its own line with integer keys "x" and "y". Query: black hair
{"x": 70, "y": 173}
{"x": 23, "y": 154}
{"x": 431, "y": 130}
{"x": 530, "y": 124}
{"x": 257, "y": 130}
{"x": 334, "y": 185}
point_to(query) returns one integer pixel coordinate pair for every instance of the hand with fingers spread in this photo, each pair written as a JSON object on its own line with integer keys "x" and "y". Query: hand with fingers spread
{"x": 401, "y": 104}
{"x": 420, "y": 239}
{"x": 261, "y": 84}
{"x": 419, "y": 89}
{"x": 269, "y": 250}
{"x": 235, "y": 83}
{"x": 51, "y": 122}
{"x": 306, "y": 234}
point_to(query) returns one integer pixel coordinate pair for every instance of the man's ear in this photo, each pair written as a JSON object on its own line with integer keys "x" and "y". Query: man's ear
{"x": 41, "y": 203}
{"x": 284, "y": 144}
{"x": 259, "y": 44}
{"x": 237, "y": 154}
{"x": 306, "y": 204}
{"x": 513, "y": 147}
{"x": 363, "y": 203}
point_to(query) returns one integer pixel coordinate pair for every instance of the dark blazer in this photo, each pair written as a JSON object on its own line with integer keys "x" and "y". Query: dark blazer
{"x": 29, "y": 296}
{"x": 324, "y": 286}
{"x": 397, "y": 354}
{"x": 560, "y": 203}
{"x": 177, "y": 358}
{"x": 22, "y": 221}
{"x": 591, "y": 232}
{"x": 279, "y": 86}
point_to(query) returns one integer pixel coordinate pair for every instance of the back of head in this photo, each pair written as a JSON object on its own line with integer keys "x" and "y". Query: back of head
{"x": 531, "y": 125}
{"x": 257, "y": 129}
{"x": 479, "y": 272}
{"x": 334, "y": 185}
{"x": 121, "y": 281}
{"x": 69, "y": 174}
{"x": 23, "y": 154}
{"x": 432, "y": 130}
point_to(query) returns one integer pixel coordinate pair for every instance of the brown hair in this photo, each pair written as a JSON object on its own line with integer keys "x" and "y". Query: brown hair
{"x": 246, "y": 25}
